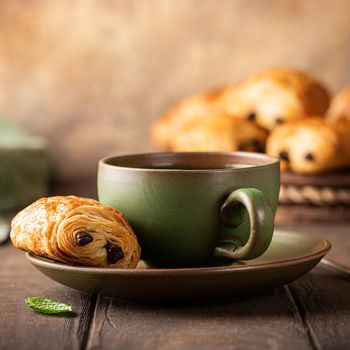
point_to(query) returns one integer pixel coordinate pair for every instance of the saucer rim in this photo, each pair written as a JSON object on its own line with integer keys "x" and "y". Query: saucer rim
{"x": 51, "y": 264}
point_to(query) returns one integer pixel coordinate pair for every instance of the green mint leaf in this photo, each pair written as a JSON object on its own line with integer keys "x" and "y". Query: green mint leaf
{"x": 47, "y": 306}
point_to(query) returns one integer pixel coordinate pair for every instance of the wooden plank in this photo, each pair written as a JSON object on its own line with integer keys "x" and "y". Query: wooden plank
{"x": 22, "y": 328}
{"x": 315, "y": 318}
{"x": 261, "y": 322}
{"x": 324, "y": 303}
{"x": 323, "y": 296}
{"x": 272, "y": 320}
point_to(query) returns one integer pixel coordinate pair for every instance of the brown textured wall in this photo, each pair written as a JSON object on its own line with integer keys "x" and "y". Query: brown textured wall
{"x": 91, "y": 75}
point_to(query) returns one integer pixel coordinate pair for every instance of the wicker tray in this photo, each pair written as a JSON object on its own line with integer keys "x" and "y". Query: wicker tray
{"x": 314, "y": 198}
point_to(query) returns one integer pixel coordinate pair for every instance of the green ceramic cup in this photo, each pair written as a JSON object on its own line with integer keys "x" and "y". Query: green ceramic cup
{"x": 186, "y": 208}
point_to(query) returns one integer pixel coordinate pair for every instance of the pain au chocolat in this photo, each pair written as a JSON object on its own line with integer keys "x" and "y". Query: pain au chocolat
{"x": 311, "y": 146}
{"x": 219, "y": 133}
{"x": 76, "y": 230}
{"x": 276, "y": 96}
{"x": 267, "y": 99}
{"x": 190, "y": 108}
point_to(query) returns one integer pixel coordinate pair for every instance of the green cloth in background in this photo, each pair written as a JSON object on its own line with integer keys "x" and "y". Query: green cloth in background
{"x": 24, "y": 167}
{"x": 9, "y": 129}
{"x": 4, "y": 230}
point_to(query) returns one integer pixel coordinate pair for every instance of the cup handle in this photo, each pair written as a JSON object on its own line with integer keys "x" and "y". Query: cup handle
{"x": 261, "y": 224}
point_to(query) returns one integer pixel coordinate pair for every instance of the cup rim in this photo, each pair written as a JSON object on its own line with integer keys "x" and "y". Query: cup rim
{"x": 266, "y": 161}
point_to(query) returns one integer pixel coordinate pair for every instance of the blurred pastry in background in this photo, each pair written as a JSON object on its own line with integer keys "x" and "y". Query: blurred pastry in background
{"x": 192, "y": 107}
{"x": 219, "y": 132}
{"x": 340, "y": 106}
{"x": 311, "y": 146}
{"x": 275, "y": 96}
{"x": 271, "y": 97}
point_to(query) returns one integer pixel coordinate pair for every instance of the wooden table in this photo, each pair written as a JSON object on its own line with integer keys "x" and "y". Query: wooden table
{"x": 311, "y": 313}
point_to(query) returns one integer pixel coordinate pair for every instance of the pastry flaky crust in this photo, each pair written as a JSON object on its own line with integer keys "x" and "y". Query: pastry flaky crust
{"x": 219, "y": 133}
{"x": 269, "y": 98}
{"x": 340, "y": 106}
{"x": 275, "y": 96}
{"x": 193, "y": 107}
{"x": 311, "y": 146}
{"x": 50, "y": 226}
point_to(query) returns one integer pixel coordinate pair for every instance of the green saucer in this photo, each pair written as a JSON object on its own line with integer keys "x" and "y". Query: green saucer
{"x": 289, "y": 256}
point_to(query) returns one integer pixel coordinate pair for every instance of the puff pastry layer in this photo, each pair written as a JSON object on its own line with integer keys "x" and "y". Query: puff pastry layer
{"x": 76, "y": 230}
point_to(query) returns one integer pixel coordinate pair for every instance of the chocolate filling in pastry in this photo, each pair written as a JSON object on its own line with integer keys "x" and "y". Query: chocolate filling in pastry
{"x": 259, "y": 146}
{"x": 114, "y": 253}
{"x": 251, "y": 116}
{"x": 309, "y": 156}
{"x": 256, "y": 145}
{"x": 284, "y": 156}
{"x": 279, "y": 120}
{"x": 83, "y": 238}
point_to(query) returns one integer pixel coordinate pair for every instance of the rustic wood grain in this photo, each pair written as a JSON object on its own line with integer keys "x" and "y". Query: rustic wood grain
{"x": 290, "y": 318}
{"x": 261, "y": 322}
{"x": 311, "y": 313}
{"x": 22, "y": 328}
{"x": 323, "y": 300}
{"x": 323, "y": 296}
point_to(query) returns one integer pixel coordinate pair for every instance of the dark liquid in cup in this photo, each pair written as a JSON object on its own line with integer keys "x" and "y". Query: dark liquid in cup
{"x": 200, "y": 166}
{"x": 190, "y": 161}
